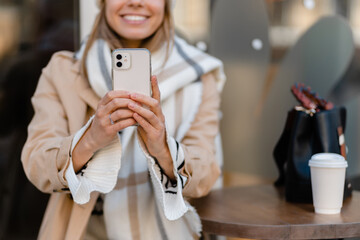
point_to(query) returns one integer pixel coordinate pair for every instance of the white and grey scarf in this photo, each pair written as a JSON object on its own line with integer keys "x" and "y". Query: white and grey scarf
{"x": 181, "y": 72}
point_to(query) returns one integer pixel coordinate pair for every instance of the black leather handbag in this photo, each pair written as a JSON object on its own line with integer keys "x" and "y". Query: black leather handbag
{"x": 304, "y": 135}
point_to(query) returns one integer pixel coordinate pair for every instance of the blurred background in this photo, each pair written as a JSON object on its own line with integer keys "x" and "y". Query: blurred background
{"x": 266, "y": 46}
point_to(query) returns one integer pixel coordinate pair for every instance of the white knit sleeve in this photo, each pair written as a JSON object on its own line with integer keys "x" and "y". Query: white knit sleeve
{"x": 99, "y": 174}
{"x": 169, "y": 193}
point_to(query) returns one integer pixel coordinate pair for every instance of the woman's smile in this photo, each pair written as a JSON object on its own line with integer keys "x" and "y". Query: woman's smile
{"x": 134, "y": 18}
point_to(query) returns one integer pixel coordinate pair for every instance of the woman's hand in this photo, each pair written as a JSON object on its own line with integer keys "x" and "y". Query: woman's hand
{"x": 111, "y": 116}
{"x": 152, "y": 126}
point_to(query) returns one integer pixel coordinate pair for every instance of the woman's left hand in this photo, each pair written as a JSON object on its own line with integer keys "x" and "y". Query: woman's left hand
{"x": 151, "y": 127}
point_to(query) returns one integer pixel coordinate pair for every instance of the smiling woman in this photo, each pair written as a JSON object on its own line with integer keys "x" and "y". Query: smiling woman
{"x": 118, "y": 164}
{"x": 134, "y": 23}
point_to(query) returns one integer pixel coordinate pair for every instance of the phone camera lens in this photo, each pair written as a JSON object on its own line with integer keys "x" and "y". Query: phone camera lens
{"x": 119, "y": 64}
{"x": 119, "y": 57}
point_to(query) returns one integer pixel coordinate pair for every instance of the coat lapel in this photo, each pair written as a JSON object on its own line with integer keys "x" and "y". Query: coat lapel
{"x": 84, "y": 89}
{"x": 90, "y": 97}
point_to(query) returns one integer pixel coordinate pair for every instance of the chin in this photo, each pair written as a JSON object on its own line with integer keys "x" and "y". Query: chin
{"x": 137, "y": 37}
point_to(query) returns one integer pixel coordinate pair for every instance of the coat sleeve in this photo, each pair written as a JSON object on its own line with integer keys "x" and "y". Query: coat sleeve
{"x": 200, "y": 167}
{"x": 45, "y": 155}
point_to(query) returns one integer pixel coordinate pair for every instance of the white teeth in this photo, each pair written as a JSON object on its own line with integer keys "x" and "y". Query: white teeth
{"x": 134, "y": 18}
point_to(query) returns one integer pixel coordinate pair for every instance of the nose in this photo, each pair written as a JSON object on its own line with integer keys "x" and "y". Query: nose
{"x": 135, "y": 2}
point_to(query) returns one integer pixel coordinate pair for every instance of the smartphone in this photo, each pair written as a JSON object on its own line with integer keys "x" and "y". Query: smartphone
{"x": 131, "y": 70}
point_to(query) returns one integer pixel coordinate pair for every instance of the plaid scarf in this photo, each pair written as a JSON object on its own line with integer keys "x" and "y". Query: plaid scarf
{"x": 140, "y": 201}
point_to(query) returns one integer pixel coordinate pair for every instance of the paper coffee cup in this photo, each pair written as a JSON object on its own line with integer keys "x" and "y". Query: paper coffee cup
{"x": 327, "y": 181}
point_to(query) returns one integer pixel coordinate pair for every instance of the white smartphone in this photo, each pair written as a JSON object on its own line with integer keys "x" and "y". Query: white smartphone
{"x": 131, "y": 70}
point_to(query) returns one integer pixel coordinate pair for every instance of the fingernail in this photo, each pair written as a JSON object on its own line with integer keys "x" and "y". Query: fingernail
{"x": 133, "y": 95}
{"x": 131, "y": 105}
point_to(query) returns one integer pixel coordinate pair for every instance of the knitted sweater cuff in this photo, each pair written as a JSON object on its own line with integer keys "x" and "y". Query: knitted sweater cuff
{"x": 99, "y": 174}
{"x": 168, "y": 193}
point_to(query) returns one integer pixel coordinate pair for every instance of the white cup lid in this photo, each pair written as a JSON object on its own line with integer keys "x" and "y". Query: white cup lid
{"x": 328, "y": 160}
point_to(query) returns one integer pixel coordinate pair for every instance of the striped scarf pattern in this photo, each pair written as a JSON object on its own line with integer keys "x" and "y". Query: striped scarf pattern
{"x": 136, "y": 190}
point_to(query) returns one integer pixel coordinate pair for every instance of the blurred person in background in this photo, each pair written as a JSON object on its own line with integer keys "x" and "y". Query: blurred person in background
{"x": 120, "y": 165}
{"x": 52, "y": 29}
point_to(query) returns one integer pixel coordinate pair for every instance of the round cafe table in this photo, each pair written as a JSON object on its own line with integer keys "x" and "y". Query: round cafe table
{"x": 261, "y": 212}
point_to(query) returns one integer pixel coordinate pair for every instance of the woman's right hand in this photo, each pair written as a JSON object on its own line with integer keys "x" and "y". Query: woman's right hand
{"x": 111, "y": 116}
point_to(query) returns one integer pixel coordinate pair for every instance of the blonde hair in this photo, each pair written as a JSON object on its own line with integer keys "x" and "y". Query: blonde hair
{"x": 102, "y": 30}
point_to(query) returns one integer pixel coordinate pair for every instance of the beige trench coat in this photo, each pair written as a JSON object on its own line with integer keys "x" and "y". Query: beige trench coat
{"x": 63, "y": 103}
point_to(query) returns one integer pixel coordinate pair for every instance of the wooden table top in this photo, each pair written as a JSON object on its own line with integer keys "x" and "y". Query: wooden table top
{"x": 261, "y": 211}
